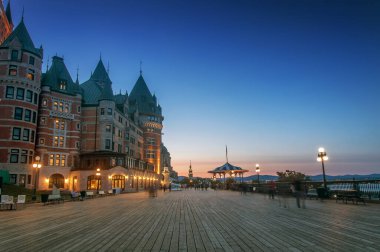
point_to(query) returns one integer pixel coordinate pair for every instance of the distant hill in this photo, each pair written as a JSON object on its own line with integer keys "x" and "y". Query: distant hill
{"x": 320, "y": 177}
{"x": 313, "y": 178}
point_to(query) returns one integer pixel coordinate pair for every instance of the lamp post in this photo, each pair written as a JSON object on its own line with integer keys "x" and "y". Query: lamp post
{"x": 37, "y": 166}
{"x": 98, "y": 177}
{"x": 322, "y": 156}
{"x": 258, "y": 175}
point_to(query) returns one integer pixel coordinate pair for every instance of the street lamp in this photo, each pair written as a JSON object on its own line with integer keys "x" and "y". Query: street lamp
{"x": 37, "y": 166}
{"x": 322, "y": 156}
{"x": 258, "y": 175}
{"x": 98, "y": 177}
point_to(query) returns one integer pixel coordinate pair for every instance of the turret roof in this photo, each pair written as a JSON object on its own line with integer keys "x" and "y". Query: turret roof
{"x": 22, "y": 34}
{"x": 57, "y": 73}
{"x": 8, "y": 13}
{"x": 142, "y": 98}
{"x": 98, "y": 87}
{"x": 100, "y": 74}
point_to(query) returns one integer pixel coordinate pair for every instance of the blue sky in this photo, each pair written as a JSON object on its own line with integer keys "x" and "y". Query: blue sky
{"x": 273, "y": 80}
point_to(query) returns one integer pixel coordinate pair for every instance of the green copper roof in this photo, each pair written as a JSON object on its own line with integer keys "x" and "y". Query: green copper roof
{"x": 91, "y": 92}
{"x": 8, "y": 13}
{"x": 57, "y": 74}
{"x": 98, "y": 87}
{"x": 21, "y": 33}
{"x": 142, "y": 99}
{"x": 100, "y": 74}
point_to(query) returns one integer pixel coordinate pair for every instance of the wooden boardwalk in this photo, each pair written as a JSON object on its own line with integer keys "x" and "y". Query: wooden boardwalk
{"x": 191, "y": 221}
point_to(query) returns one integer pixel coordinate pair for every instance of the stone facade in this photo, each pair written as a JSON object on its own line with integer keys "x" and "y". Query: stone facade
{"x": 87, "y": 138}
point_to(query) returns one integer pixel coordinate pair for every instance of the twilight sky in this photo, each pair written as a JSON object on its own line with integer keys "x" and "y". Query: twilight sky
{"x": 273, "y": 80}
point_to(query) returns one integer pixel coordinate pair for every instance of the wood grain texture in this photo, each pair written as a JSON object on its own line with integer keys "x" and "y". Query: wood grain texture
{"x": 191, "y": 221}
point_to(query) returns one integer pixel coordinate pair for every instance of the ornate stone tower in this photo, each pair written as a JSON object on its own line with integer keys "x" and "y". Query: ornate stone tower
{"x": 144, "y": 105}
{"x": 190, "y": 171}
{"x": 20, "y": 81}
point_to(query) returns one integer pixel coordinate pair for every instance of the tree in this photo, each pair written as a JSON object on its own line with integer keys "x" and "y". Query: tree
{"x": 290, "y": 176}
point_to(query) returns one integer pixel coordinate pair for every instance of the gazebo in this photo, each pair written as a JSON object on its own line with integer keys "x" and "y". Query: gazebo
{"x": 227, "y": 168}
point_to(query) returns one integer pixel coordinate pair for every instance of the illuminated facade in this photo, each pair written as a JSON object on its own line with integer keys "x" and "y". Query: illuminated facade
{"x": 87, "y": 137}
{"x": 6, "y": 24}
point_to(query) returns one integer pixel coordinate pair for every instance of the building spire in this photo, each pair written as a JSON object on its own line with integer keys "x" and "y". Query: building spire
{"x": 140, "y": 67}
{"x": 47, "y": 64}
{"x": 226, "y": 154}
{"x": 77, "y": 74}
{"x": 8, "y": 13}
{"x": 22, "y": 17}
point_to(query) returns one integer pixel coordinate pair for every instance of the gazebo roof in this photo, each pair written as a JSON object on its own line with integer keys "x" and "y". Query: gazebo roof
{"x": 226, "y": 168}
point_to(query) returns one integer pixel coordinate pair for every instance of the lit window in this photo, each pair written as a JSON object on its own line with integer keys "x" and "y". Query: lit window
{"x": 61, "y": 106}
{"x": 55, "y": 105}
{"x": 12, "y": 70}
{"x": 62, "y": 85}
{"x": 30, "y": 74}
{"x": 44, "y": 102}
{"x": 61, "y": 141}
{"x": 63, "y": 160}
{"x": 51, "y": 160}
{"x": 57, "y": 159}
{"x": 66, "y": 108}
{"x": 56, "y": 124}
{"x": 62, "y": 125}
{"x": 56, "y": 141}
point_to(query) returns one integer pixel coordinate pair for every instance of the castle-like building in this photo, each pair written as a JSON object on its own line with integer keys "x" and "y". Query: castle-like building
{"x": 84, "y": 136}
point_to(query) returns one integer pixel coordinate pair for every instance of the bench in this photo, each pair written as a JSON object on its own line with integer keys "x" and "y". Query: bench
{"x": 312, "y": 193}
{"x": 90, "y": 194}
{"x": 350, "y": 195}
{"x": 7, "y": 202}
{"x": 75, "y": 196}
{"x": 55, "y": 198}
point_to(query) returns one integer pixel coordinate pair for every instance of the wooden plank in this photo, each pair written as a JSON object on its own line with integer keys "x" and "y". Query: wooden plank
{"x": 191, "y": 221}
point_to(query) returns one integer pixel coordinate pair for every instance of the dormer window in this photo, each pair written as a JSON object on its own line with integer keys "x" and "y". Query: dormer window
{"x": 62, "y": 85}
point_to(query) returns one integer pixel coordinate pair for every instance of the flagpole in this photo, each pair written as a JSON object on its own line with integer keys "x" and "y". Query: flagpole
{"x": 226, "y": 154}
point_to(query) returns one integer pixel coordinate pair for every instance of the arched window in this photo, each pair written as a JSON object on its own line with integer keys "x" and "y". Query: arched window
{"x": 58, "y": 180}
{"x": 94, "y": 182}
{"x": 118, "y": 181}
